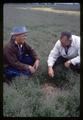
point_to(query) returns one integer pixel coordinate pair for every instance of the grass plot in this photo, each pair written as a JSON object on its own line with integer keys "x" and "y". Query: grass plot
{"x": 39, "y": 95}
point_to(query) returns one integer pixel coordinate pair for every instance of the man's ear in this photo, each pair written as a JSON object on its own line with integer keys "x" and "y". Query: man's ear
{"x": 13, "y": 37}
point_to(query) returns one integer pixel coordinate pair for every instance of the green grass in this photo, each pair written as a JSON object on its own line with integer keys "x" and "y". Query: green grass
{"x": 25, "y": 97}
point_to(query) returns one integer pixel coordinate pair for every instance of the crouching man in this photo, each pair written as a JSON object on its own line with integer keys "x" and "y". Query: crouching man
{"x": 19, "y": 57}
{"x": 67, "y": 49}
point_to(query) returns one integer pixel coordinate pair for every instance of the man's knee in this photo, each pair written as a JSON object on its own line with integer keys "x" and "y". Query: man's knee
{"x": 60, "y": 60}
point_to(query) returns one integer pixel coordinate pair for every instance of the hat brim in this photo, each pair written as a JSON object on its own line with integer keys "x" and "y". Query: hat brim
{"x": 18, "y": 33}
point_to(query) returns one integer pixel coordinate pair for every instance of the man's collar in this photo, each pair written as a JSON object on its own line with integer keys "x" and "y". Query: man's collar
{"x": 18, "y": 44}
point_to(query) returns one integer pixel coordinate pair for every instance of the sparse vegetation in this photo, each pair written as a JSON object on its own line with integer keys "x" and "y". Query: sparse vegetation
{"x": 39, "y": 95}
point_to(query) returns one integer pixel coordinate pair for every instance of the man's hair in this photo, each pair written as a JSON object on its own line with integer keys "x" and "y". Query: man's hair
{"x": 68, "y": 34}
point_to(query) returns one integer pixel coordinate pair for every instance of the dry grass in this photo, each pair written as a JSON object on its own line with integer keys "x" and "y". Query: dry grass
{"x": 55, "y": 11}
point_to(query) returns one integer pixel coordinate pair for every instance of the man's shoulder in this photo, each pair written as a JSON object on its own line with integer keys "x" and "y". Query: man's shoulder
{"x": 6, "y": 45}
{"x": 75, "y": 40}
{"x": 9, "y": 46}
{"x": 58, "y": 43}
{"x": 26, "y": 45}
{"x": 75, "y": 37}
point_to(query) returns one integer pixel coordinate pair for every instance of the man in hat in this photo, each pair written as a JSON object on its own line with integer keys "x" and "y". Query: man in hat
{"x": 67, "y": 49}
{"x": 19, "y": 57}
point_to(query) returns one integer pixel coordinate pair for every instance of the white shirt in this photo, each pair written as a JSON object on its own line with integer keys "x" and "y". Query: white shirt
{"x": 73, "y": 52}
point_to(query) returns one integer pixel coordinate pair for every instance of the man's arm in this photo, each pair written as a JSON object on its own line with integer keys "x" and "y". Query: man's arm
{"x": 13, "y": 61}
{"x": 54, "y": 54}
{"x": 32, "y": 52}
{"x": 76, "y": 60}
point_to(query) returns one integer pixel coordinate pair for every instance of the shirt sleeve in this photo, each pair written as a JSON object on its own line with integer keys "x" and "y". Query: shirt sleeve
{"x": 76, "y": 60}
{"x": 54, "y": 54}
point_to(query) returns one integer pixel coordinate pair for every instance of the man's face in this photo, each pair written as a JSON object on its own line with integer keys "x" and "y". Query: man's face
{"x": 65, "y": 41}
{"x": 20, "y": 39}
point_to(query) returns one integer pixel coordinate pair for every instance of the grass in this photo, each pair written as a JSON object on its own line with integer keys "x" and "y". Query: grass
{"x": 40, "y": 95}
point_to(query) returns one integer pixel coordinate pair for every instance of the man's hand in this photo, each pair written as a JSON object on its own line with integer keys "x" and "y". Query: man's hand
{"x": 50, "y": 72}
{"x": 67, "y": 64}
{"x": 32, "y": 70}
{"x": 36, "y": 64}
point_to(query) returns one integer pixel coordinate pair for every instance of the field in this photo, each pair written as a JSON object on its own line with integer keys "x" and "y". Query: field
{"x": 39, "y": 95}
